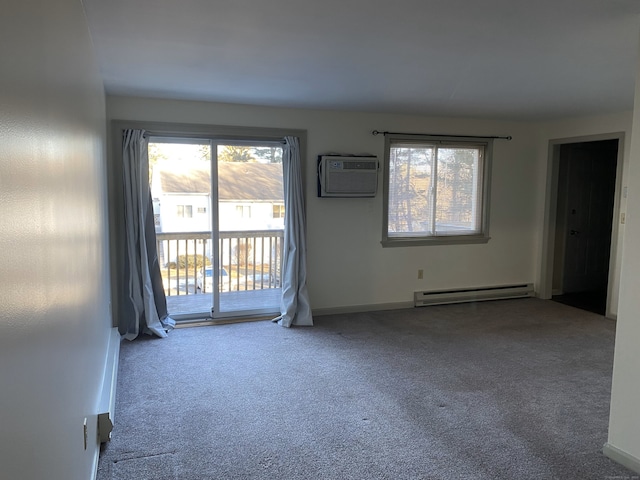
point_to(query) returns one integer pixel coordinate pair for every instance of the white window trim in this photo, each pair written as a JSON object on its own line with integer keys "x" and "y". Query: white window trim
{"x": 415, "y": 240}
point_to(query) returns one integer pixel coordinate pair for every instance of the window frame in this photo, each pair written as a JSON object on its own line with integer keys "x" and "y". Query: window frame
{"x": 279, "y": 208}
{"x": 419, "y": 240}
{"x": 244, "y": 210}
{"x": 184, "y": 211}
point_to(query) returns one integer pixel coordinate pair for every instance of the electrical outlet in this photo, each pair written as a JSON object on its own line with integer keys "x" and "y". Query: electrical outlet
{"x": 420, "y": 274}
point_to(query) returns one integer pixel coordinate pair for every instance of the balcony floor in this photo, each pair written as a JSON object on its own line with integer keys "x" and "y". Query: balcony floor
{"x": 232, "y": 303}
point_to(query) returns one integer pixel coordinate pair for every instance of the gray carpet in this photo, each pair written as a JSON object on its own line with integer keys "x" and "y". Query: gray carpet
{"x": 515, "y": 389}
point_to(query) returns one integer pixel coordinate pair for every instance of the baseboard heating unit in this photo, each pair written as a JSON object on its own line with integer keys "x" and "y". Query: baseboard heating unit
{"x": 472, "y": 294}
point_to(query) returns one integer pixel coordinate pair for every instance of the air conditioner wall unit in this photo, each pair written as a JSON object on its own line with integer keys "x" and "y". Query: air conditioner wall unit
{"x": 347, "y": 176}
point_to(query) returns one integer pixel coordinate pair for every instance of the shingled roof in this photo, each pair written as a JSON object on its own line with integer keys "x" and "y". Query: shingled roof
{"x": 237, "y": 181}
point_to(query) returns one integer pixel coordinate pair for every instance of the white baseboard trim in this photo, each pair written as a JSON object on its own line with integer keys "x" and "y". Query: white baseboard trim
{"x": 106, "y": 412}
{"x": 361, "y": 308}
{"x": 621, "y": 457}
{"x": 106, "y": 405}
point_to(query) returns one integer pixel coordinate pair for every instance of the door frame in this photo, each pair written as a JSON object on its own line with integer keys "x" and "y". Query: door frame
{"x": 551, "y": 205}
{"x": 115, "y": 187}
{"x": 216, "y": 313}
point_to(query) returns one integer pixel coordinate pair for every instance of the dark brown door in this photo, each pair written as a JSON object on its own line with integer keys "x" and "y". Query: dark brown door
{"x": 590, "y": 170}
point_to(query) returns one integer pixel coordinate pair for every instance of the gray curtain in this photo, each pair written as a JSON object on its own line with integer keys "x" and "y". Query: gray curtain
{"x": 142, "y": 270}
{"x": 295, "y": 307}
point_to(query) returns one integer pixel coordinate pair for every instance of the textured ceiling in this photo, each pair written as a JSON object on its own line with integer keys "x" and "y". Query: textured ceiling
{"x": 506, "y": 59}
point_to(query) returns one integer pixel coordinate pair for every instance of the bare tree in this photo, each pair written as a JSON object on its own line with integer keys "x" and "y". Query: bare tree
{"x": 233, "y": 153}
{"x": 243, "y": 252}
{"x": 269, "y": 154}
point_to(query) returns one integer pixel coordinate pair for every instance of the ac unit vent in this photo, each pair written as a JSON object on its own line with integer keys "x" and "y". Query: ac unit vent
{"x": 359, "y": 166}
{"x": 347, "y": 176}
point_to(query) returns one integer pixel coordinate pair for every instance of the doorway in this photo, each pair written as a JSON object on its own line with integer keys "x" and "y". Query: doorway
{"x": 219, "y": 219}
{"x": 586, "y": 185}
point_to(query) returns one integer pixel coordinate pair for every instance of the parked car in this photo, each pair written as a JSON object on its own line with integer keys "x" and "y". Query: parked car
{"x": 262, "y": 280}
{"x": 205, "y": 280}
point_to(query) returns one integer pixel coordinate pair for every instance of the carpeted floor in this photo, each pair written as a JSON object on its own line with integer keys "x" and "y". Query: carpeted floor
{"x": 515, "y": 389}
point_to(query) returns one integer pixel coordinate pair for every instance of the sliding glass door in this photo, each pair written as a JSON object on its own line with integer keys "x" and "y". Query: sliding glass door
{"x": 249, "y": 227}
{"x": 219, "y": 211}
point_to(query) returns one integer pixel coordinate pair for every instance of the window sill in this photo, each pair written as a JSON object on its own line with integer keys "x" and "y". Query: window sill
{"x": 443, "y": 240}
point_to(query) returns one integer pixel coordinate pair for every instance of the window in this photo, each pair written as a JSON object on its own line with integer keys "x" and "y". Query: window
{"x": 278, "y": 211}
{"x": 243, "y": 211}
{"x": 184, "y": 211}
{"x": 436, "y": 191}
{"x": 202, "y": 209}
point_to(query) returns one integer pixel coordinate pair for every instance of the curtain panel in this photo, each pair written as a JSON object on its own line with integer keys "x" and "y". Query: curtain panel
{"x": 295, "y": 305}
{"x": 142, "y": 269}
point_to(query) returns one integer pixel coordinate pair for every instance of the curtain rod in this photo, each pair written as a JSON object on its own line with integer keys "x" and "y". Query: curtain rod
{"x": 239, "y": 141}
{"x": 376, "y": 132}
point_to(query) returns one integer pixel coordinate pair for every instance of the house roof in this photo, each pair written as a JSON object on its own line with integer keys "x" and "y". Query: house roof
{"x": 237, "y": 181}
{"x": 523, "y": 60}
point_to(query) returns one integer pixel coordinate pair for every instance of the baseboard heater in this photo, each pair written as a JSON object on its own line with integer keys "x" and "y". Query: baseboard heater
{"x": 472, "y": 294}
{"x": 108, "y": 397}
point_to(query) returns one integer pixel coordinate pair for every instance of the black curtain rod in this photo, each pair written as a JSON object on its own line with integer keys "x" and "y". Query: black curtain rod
{"x": 216, "y": 138}
{"x": 376, "y": 132}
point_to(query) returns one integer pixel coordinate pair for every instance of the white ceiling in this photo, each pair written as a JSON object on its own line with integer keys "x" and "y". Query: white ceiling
{"x": 510, "y": 59}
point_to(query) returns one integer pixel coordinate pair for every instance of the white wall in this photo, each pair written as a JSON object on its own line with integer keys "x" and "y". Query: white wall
{"x": 54, "y": 320}
{"x": 261, "y": 216}
{"x": 347, "y": 265}
{"x": 586, "y": 128}
{"x": 171, "y": 222}
{"x": 624, "y": 425}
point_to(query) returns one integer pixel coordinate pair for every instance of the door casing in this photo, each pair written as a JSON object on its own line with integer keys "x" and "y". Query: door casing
{"x": 545, "y": 286}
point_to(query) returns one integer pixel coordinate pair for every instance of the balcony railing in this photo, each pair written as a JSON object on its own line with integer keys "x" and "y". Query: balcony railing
{"x": 248, "y": 260}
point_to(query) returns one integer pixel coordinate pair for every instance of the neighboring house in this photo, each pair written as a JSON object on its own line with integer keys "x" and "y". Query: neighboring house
{"x": 250, "y": 196}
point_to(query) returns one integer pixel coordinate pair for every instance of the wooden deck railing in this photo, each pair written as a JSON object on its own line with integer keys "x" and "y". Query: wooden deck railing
{"x": 248, "y": 260}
